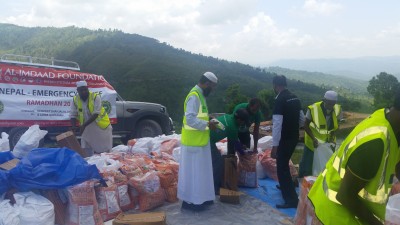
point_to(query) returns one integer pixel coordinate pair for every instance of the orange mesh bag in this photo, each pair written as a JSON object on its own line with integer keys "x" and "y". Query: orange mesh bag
{"x": 171, "y": 193}
{"x": 150, "y": 192}
{"x": 269, "y": 165}
{"x": 167, "y": 171}
{"x": 82, "y": 205}
{"x": 247, "y": 170}
{"x": 169, "y": 145}
{"x": 130, "y": 170}
{"x": 125, "y": 201}
{"x": 108, "y": 201}
{"x": 303, "y": 207}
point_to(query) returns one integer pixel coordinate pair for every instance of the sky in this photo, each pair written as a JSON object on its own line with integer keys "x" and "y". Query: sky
{"x": 254, "y": 32}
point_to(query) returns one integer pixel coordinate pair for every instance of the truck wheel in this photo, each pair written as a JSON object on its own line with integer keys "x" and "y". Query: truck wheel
{"x": 16, "y": 133}
{"x": 148, "y": 128}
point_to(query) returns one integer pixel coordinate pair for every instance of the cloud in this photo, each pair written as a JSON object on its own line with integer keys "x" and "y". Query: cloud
{"x": 321, "y": 7}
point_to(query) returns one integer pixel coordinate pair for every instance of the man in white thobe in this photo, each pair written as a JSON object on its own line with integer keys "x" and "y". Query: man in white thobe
{"x": 195, "y": 181}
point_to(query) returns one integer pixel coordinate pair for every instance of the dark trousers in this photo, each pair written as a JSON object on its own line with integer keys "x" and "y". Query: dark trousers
{"x": 306, "y": 163}
{"x": 285, "y": 151}
{"x": 218, "y": 167}
{"x": 245, "y": 138}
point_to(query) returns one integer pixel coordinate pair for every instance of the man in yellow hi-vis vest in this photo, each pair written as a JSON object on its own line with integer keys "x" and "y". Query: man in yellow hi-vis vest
{"x": 195, "y": 180}
{"x": 94, "y": 124}
{"x": 354, "y": 187}
{"x": 322, "y": 120}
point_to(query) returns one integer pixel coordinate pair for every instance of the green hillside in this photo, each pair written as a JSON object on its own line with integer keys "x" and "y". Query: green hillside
{"x": 143, "y": 69}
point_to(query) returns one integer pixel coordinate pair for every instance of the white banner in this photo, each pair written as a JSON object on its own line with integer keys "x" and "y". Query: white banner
{"x": 43, "y": 96}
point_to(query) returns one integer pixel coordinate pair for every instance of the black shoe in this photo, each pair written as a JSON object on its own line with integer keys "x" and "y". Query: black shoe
{"x": 286, "y": 206}
{"x": 208, "y": 203}
{"x": 193, "y": 207}
{"x": 186, "y": 205}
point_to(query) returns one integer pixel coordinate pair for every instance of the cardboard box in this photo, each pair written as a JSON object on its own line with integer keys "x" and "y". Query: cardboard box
{"x": 230, "y": 179}
{"x": 229, "y": 196}
{"x": 151, "y": 218}
{"x": 68, "y": 139}
{"x": 9, "y": 164}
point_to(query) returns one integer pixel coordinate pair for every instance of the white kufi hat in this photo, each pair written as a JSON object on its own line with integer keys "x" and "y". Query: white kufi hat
{"x": 81, "y": 83}
{"x": 331, "y": 95}
{"x": 210, "y": 76}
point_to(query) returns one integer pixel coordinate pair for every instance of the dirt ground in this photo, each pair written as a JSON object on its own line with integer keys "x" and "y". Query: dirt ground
{"x": 351, "y": 119}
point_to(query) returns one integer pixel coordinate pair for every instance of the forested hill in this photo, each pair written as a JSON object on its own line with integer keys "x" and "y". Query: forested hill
{"x": 343, "y": 84}
{"x": 142, "y": 68}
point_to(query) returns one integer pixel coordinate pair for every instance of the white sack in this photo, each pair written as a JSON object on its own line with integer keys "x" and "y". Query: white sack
{"x": 4, "y": 142}
{"x": 34, "y": 209}
{"x": 321, "y": 156}
{"x": 393, "y": 209}
{"x": 28, "y": 141}
{"x": 8, "y": 214}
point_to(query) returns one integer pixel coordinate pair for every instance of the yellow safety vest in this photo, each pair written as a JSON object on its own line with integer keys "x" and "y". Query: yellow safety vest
{"x": 102, "y": 119}
{"x": 191, "y": 136}
{"x": 319, "y": 126}
{"x": 375, "y": 194}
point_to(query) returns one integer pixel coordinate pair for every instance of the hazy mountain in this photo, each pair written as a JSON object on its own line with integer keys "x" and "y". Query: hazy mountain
{"x": 363, "y": 68}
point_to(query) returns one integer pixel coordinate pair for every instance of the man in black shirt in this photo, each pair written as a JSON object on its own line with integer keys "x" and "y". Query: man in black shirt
{"x": 286, "y": 119}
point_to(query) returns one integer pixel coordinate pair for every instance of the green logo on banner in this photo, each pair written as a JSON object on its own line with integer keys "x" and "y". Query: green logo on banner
{"x": 106, "y": 106}
{"x": 1, "y": 107}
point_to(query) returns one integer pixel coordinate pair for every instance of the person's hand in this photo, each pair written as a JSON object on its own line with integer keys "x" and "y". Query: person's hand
{"x": 274, "y": 152}
{"x": 212, "y": 124}
{"x": 74, "y": 129}
{"x": 82, "y": 128}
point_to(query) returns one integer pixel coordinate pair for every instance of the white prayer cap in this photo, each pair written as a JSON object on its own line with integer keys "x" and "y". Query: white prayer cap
{"x": 81, "y": 83}
{"x": 210, "y": 76}
{"x": 331, "y": 95}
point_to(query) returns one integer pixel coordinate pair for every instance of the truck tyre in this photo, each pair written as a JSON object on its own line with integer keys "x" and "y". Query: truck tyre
{"x": 16, "y": 133}
{"x": 147, "y": 128}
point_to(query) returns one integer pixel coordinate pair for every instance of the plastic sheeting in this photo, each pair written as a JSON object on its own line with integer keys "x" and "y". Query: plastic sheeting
{"x": 250, "y": 211}
{"x": 51, "y": 168}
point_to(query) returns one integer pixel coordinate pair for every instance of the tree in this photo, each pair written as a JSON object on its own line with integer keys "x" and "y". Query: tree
{"x": 383, "y": 88}
{"x": 267, "y": 98}
{"x": 233, "y": 96}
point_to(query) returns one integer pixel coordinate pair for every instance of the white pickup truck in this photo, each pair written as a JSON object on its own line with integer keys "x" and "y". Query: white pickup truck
{"x": 40, "y": 91}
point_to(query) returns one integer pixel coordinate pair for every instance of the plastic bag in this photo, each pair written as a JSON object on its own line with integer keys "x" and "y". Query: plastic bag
{"x": 28, "y": 141}
{"x": 265, "y": 142}
{"x": 4, "y": 142}
{"x": 34, "y": 209}
{"x": 121, "y": 148}
{"x": 104, "y": 163}
{"x": 392, "y": 216}
{"x": 321, "y": 156}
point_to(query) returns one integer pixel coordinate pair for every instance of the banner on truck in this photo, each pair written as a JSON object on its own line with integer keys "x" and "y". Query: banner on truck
{"x": 43, "y": 96}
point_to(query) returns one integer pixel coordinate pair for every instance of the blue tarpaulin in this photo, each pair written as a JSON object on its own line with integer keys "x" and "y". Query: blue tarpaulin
{"x": 51, "y": 168}
{"x": 6, "y": 156}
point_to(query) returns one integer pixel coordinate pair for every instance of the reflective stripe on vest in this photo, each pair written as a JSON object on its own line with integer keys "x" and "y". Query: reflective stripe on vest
{"x": 319, "y": 126}
{"x": 375, "y": 194}
{"x": 191, "y": 136}
{"x": 102, "y": 119}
